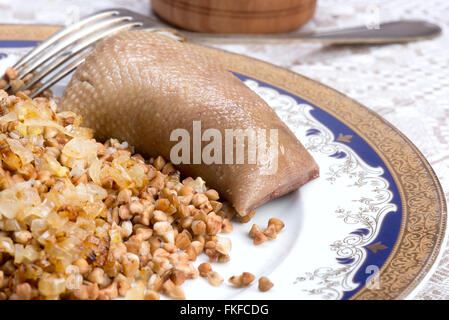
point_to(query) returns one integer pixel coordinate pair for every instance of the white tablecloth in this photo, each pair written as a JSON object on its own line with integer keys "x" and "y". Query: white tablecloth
{"x": 408, "y": 84}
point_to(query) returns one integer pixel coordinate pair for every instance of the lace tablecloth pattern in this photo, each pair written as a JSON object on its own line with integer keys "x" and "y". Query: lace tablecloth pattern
{"x": 408, "y": 84}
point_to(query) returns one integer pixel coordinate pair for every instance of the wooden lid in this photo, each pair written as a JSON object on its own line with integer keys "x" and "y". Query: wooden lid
{"x": 236, "y": 16}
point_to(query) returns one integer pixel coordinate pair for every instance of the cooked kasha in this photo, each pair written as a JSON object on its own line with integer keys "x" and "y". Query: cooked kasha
{"x": 139, "y": 86}
{"x": 84, "y": 220}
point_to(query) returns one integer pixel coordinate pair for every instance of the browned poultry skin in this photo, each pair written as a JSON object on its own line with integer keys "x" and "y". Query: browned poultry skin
{"x": 139, "y": 86}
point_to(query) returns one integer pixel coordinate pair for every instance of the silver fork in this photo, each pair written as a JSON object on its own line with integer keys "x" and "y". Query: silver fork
{"x": 63, "y": 52}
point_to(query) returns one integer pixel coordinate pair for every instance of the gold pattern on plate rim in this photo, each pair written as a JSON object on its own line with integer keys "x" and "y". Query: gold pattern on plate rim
{"x": 423, "y": 204}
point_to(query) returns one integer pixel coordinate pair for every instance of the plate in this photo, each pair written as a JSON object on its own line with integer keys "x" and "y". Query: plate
{"x": 370, "y": 227}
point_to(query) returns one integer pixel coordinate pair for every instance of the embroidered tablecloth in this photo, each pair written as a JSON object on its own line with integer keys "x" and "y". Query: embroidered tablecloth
{"x": 408, "y": 84}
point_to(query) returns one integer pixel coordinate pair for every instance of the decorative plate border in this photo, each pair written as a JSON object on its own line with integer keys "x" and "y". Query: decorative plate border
{"x": 424, "y": 207}
{"x": 363, "y": 251}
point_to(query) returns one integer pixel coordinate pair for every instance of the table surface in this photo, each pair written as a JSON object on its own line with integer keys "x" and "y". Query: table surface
{"x": 408, "y": 84}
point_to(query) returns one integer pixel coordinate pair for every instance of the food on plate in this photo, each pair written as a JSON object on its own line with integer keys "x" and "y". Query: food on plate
{"x": 258, "y": 236}
{"x": 243, "y": 280}
{"x": 214, "y": 278}
{"x": 10, "y": 77}
{"x": 275, "y": 225}
{"x": 204, "y": 269}
{"x": 84, "y": 219}
{"x": 173, "y": 291}
{"x": 265, "y": 284}
{"x": 81, "y": 219}
{"x": 140, "y": 86}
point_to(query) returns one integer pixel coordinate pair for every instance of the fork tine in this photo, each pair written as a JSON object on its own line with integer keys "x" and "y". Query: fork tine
{"x": 65, "y": 39}
{"x": 64, "y": 58}
{"x": 61, "y": 74}
{"x": 63, "y": 44}
{"x": 80, "y": 46}
{"x": 63, "y": 50}
{"x": 61, "y": 34}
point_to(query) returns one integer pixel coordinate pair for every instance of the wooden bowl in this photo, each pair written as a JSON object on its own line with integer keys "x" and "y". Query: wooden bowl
{"x": 235, "y": 16}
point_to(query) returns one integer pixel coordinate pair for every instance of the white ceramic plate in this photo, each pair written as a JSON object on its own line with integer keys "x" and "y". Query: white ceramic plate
{"x": 370, "y": 227}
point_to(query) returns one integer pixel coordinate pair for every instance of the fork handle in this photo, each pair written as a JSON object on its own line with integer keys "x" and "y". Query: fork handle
{"x": 390, "y": 32}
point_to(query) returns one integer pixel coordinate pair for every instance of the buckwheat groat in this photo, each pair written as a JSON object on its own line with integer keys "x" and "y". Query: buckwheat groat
{"x": 242, "y": 280}
{"x": 265, "y": 284}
